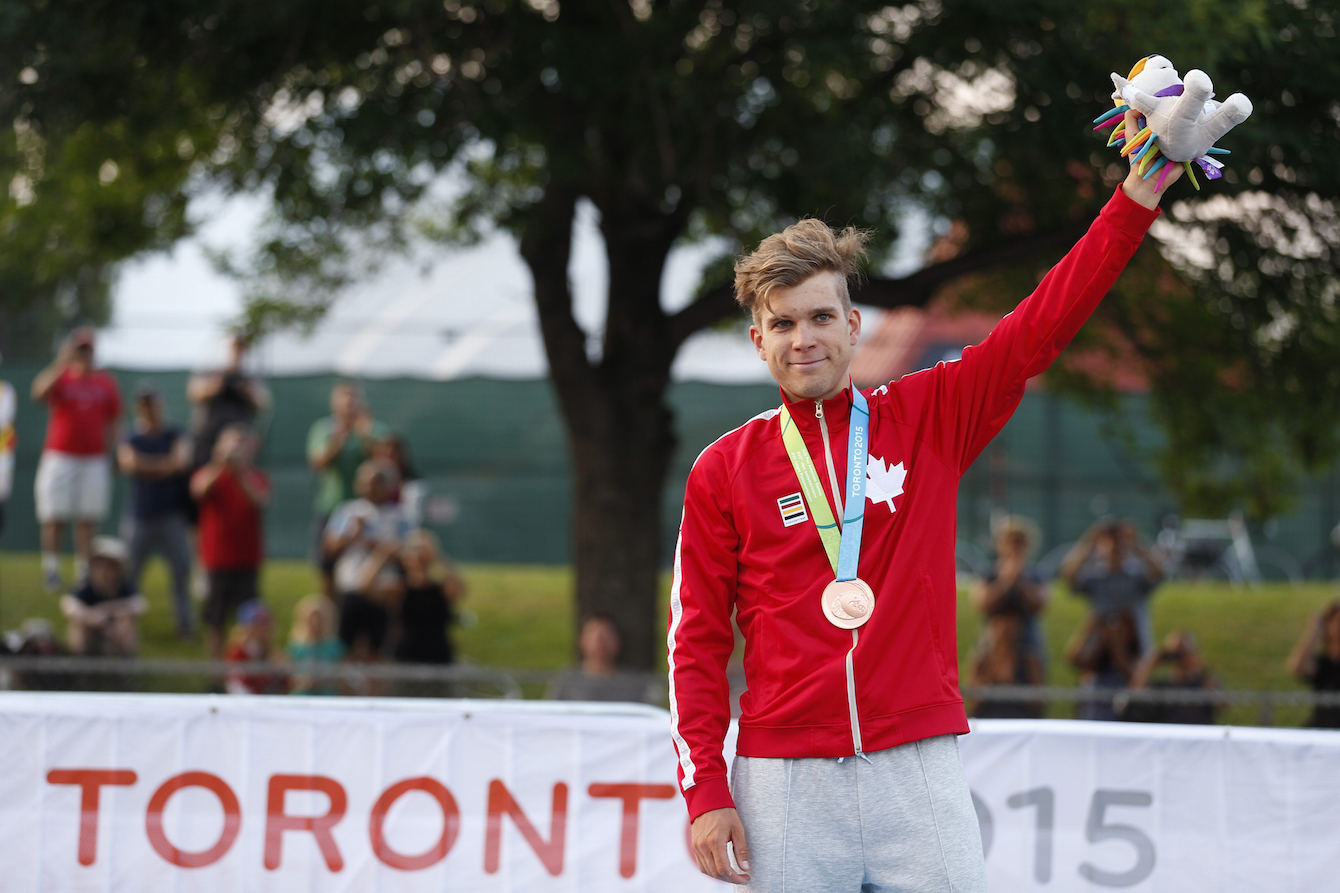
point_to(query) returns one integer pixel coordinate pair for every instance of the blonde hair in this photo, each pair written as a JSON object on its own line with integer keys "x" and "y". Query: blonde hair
{"x": 1017, "y": 526}
{"x": 308, "y": 605}
{"x": 788, "y": 258}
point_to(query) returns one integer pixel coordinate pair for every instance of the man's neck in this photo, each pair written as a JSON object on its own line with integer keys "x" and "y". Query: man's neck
{"x": 598, "y": 668}
{"x": 836, "y": 392}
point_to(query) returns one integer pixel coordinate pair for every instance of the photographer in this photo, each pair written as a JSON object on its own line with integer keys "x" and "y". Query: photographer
{"x": 1111, "y": 568}
{"x": 231, "y": 494}
{"x": 364, "y": 538}
{"x": 1186, "y": 672}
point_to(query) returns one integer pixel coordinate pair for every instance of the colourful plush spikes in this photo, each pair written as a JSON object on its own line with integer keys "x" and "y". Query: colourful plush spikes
{"x": 1105, "y": 119}
{"x": 1215, "y": 150}
{"x": 1158, "y": 187}
{"x": 1132, "y": 145}
{"x": 1144, "y": 150}
{"x": 1192, "y": 174}
{"x": 1163, "y": 160}
{"x": 1148, "y": 159}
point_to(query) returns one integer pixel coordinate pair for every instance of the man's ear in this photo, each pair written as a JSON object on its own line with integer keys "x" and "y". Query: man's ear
{"x": 757, "y": 337}
{"x": 854, "y": 323}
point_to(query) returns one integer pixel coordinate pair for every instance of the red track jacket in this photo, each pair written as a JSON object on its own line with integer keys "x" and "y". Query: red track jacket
{"x": 816, "y": 690}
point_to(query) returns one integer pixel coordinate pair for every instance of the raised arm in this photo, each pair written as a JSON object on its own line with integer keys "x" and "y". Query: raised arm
{"x": 1303, "y": 658}
{"x": 963, "y": 404}
{"x": 45, "y": 380}
{"x": 1075, "y": 558}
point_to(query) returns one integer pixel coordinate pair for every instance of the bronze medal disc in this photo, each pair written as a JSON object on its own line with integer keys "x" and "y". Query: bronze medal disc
{"x": 848, "y": 604}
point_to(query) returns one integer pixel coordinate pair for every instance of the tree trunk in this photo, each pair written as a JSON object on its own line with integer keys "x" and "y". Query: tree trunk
{"x": 620, "y": 432}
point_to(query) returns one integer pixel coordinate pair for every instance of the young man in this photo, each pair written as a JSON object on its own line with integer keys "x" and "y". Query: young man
{"x": 847, "y": 770}
{"x": 232, "y": 494}
{"x": 73, "y": 483}
{"x": 156, "y": 459}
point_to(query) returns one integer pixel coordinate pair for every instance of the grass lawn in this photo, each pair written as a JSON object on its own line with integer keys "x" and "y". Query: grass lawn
{"x": 519, "y": 616}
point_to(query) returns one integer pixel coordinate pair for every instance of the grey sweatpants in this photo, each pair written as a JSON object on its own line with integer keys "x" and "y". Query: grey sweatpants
{"x": 902, "y": 821}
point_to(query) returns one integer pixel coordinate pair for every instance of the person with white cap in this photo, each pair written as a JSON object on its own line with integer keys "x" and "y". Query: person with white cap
{"x": 103, "y": 611}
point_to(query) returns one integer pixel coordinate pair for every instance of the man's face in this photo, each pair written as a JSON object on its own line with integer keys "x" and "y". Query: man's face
{"x": 345, "y": 401}
{"x": 105, "y": 575}
{"x": 81, "y": 348}
{"x": 599, "y": 640}
{"x": 807, "y": 337}
{"x": 149, "y": 412}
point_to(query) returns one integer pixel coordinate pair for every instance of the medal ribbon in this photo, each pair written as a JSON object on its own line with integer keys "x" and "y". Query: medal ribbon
{"x": 844, "y": 549}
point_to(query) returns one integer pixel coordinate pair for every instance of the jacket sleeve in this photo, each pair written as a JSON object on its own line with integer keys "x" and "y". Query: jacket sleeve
{"x": 700, "y": 638}
{"x": 966, "y": 403}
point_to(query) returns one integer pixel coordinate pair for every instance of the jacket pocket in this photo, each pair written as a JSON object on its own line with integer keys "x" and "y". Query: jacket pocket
{"x": 933, "y": 622}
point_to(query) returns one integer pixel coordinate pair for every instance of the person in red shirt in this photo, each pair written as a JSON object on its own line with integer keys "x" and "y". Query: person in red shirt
{"x": 847, "y": 774}
{"x": 73, "y": 483}
{"x": 232, "y": 494}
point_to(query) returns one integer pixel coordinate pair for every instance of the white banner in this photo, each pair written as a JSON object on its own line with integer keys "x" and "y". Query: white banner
{"x": 134, "y": 793}
{"x": 1067, "y": 805}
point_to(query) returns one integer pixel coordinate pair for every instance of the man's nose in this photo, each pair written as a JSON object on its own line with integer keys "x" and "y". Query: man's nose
{"x": 802, "y": 336}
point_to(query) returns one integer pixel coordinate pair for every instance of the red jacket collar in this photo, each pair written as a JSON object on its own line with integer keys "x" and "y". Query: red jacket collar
{"x": 837, "y": 410}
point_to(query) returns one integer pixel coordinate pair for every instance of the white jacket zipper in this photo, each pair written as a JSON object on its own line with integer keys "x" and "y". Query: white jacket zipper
{"x": 828, "y": 457}
{"x": 855, "y": 634}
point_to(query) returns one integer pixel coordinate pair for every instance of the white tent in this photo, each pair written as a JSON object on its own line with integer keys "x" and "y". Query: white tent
{"x": 451, "y": 313}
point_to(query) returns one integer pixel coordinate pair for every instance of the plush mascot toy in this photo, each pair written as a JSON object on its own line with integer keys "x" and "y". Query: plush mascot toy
{"x": 1178, "y": 119}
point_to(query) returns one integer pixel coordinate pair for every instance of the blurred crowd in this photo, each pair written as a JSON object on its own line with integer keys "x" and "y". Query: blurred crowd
{"x": 197, "y": 498}
{"x": 1114, "y": 650}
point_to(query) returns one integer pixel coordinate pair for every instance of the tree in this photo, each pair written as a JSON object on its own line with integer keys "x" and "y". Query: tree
{"x": 676, "y": 120}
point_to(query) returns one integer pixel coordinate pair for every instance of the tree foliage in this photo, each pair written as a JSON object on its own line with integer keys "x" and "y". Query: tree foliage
{"x": 678, "y": 120}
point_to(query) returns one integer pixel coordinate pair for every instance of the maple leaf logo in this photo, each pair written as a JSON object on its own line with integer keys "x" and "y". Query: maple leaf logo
{"x": 883, "y": 483}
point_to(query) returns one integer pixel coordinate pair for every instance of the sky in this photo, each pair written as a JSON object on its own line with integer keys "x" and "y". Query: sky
{"x": 452, "y": 314}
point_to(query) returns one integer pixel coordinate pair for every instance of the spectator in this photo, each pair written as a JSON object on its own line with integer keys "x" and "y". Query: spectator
{"x": 1316, "y": 661}
{"x": 411, "y": 492}
{"x": 1013, "y": 588}
{"x": 221, "y": 398}
{"x": 598, "y": 677}
{"x": 313, "y": 641}
{"x": 231, "y": 494}
{"x": 1112, "y": 569}
{"x": 432, "y": 588}
{"x": 366, "y": 535}
{"x": 73, "y": 482}
{"x": 250, "y": 641}
{"x": 156, "y": 459}
{"x": 8, "y": 407}
{"x": 1186, "y": 672}
{"x": 36, "y": 638}
{"x": 1105, "y": 650}
{"x": 103, "y": 610}
{"x": 1005, "y": 659}
{"x": 336, "y": 446}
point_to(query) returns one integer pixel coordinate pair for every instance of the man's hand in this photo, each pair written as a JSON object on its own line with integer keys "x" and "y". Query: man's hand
{"x": 1141, "y": 190}
{"x": 710, "y": 833}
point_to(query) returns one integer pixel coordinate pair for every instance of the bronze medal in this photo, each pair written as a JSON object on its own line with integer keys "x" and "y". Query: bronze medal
{"x": 848, "y": 604}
